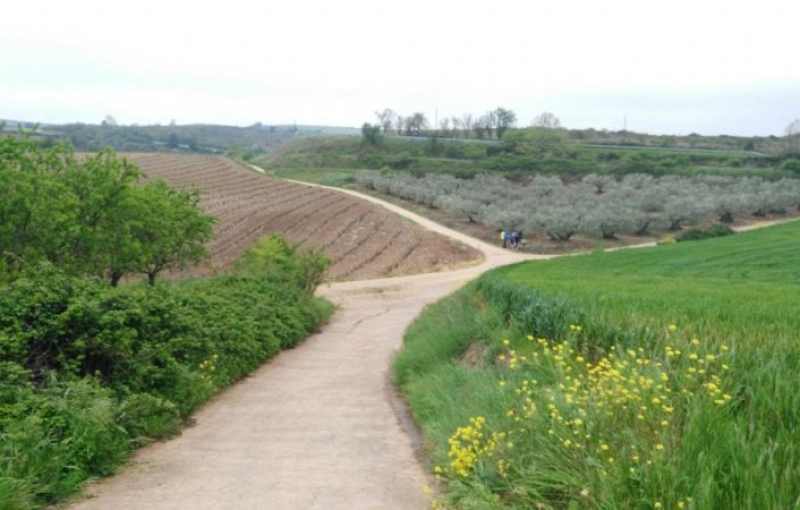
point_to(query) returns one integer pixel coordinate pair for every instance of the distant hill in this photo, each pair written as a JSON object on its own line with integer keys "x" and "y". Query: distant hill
{"x": 252, "y": 140}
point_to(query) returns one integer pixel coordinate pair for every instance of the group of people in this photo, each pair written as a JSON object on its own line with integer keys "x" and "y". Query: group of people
{"x": 511, "y": 239}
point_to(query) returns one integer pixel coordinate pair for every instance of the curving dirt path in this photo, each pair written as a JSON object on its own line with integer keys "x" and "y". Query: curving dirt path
{"x": 318, "y": 427}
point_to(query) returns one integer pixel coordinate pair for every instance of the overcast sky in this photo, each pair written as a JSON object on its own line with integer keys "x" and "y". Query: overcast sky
{"x": 672, "y": 67}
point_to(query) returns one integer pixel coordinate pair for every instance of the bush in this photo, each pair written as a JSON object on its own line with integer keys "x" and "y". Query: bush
{"x": 62, "y": 436}
{"x": 791, "y": 165}
{"x": 89, "y": 370}
{"x": 698, "y": 233}
{"x": 148, "y": 418}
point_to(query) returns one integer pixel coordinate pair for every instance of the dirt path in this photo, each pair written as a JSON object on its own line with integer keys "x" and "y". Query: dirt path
{"x": 319, "y": 427}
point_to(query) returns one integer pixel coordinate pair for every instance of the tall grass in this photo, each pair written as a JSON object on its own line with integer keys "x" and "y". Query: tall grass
{"x": 668, "y": 380}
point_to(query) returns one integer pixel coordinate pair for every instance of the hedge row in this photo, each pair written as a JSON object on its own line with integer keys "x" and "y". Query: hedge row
{"x": 89, "y": 372}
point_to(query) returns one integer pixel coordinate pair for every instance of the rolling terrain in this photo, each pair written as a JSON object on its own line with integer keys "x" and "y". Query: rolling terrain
{"x": 362, "y": 240}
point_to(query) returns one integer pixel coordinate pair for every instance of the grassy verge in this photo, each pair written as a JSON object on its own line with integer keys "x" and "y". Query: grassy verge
{"x": 656, "y": 378}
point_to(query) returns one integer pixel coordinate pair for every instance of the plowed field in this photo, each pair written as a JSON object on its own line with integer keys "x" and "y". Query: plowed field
{"x": 362, "y": 240}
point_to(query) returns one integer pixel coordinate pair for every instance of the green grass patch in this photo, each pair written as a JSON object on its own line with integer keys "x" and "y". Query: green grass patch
{"x": 337, "y": 178}
{"x": 468, "y": 158}
{"x": 648, "y": 378}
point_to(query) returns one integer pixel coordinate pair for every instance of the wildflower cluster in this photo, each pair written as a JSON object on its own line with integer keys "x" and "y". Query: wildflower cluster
{"x": 470, "y": 444}
{"x": 702, "y": 370}
{"x": 621, "y": 411}
{"x": 208, "y": 367}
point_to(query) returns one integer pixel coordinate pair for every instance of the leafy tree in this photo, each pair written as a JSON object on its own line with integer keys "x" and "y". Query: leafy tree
{"x": 92, "y": 216}
{"x": 681, "y": 209}
{"x": 465, "y": 207}
{"x": 467, "y": 123}
{"x": 546, "y": 120}
{"x": 501, "y": 216}
{"x": 560, "y": 223}
{"x": 171, "y": 231}
{"x": 485, "y": 124}
{"x": 371, "y": 133}
{"x": 173, "y": 141}
{"x": 444, "y": 127}
{"x": 385, "y": 119}
{"x": 609, "y": 219}
{"x": 456, "y": 123}
{"x": 99, "y": 187}
{"x": 416, "y": 124}
{"x": 37, "y": 210}
{"x": 504, "y": 120}
{"x": 601, "y": 183}
{"x": 792, "y": 134}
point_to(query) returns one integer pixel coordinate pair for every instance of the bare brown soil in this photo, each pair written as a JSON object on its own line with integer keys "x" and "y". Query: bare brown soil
{"x": 362, "y": 240}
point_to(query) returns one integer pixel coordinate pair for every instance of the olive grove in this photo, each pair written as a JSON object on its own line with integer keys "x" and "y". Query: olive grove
{"x": 598, "y": 206}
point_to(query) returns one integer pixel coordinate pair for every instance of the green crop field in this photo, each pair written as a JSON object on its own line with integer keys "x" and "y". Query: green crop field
{"x": 651, "y": 378}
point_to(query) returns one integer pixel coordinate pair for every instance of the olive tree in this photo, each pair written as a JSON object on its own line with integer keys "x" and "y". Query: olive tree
{"x": 607, "y": 219}
{"x": 502, "y": 217}
{"x": 682, "y": 209}
{"x": 465, "y": 207}
{"x": 559, "y": 223}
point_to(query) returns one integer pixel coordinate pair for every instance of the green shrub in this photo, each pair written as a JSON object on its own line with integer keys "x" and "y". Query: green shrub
{"x": 791, "y": 165}
{"x": 88, "y": 370}
{"x": 66, "y": 434}
{"x": 275, "y": 257}
{"x": 699, "y": 233}
{"x": 148, "y": 418}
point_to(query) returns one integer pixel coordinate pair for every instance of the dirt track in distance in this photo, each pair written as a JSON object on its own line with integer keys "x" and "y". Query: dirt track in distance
{"x": 361, "y": 239}
{"x": 319, "y": 427}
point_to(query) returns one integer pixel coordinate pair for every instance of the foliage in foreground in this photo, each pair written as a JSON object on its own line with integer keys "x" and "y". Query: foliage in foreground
{"x": 90, "y": 372}
{"x": 93, "y": 215}
{"x": 663, "y": 386}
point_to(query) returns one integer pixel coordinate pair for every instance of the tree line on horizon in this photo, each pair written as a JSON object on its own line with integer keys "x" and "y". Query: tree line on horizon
{"x": 494, "y": 124}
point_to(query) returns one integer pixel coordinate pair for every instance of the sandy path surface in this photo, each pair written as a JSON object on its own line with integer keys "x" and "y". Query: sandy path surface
{"x": 318, "y": 427}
